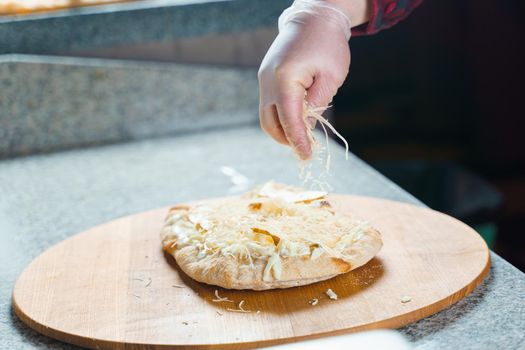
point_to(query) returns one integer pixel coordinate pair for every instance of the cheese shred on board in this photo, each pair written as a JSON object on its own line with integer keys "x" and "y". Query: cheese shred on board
{"x": 219, "y": 299}
{"x": 239, "y": 308}
{"x": 331, "y": 294}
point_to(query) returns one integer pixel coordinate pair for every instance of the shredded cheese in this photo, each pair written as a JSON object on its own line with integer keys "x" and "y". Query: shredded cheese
{"x": 273, "y": 190}
{"x": 318, "y": 150}
{"x": 239, "y": 308}
{"x": 274, "y": 267}
{"x": 219, "y": 299}
{"x": 314, "y": 112}
{"x": 331, "y": 294}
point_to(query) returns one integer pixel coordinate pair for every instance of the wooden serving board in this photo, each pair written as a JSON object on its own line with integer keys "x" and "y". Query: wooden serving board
{"x": 112, "y": 287}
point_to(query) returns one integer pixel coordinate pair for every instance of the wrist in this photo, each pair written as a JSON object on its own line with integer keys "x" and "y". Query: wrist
{"x": 328, "y": 14}
{"x": 358, "y": 11}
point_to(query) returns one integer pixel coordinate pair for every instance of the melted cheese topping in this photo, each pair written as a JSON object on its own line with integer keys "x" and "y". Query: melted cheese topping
{"x": 288, "y": 194}
{"x": 269, "y": 223}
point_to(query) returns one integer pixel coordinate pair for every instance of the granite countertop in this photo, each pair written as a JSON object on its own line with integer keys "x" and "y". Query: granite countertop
{"x": 41, "y": 197}
{"x": 50, "y": 103}
{"x": 132, "y": 23}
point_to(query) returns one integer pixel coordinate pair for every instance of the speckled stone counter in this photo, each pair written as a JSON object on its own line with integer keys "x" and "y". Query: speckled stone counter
{"x": 46, "y": 198}
{"x": 51, "y": 103}
{"x": 132, "y": 23}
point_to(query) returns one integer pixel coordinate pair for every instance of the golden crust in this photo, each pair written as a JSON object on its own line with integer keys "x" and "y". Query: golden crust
{"x": 226, "y": 272}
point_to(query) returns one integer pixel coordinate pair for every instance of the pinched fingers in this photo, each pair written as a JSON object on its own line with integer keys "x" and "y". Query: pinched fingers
{"x": 270, "y": 123}
{"x": 281, "y": 108}
{"x": 290, "y": 100}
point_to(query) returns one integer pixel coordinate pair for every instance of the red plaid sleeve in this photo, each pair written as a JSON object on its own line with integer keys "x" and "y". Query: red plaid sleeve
{"x": 386, "y": 13}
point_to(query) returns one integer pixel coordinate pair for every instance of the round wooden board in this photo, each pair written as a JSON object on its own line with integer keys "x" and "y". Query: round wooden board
{"x": 112, "y": 286}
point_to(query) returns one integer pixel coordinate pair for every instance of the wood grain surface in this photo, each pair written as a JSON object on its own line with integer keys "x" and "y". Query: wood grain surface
{"x": 112, "y": 287}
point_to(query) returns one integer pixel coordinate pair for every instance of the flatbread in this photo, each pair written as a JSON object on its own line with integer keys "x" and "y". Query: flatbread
{"x": 275, "y": 236}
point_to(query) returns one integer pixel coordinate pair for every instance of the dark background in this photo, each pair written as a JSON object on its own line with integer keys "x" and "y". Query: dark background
{"x": 436, "y": 104}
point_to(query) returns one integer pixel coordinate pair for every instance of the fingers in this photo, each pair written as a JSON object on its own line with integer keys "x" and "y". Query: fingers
{"x": 282, "y": 117}
{"x": 268, "y": 117}
{"x": 270, "y": 123}
{"x": 290, "y": 97}
{"x": 281, "y": 108}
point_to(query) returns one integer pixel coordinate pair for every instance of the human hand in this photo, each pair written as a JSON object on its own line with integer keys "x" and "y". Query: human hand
{"x": 309, "y": 56}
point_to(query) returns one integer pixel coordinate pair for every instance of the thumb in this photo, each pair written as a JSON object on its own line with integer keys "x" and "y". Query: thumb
{"x": 321, "y": 93}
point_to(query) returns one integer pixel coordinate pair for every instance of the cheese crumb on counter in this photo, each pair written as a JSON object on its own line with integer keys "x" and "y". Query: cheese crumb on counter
{"x": 405, "y": 299}
{"x": 314, "y": 301}
{"x": 331, "y": 294}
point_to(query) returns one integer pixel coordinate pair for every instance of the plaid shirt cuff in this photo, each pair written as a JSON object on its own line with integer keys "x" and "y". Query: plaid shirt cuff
{"x": 384, "y": 14}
